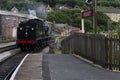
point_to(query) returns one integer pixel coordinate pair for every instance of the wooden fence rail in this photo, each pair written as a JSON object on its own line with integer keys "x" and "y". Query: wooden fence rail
{"x": 102, "y": 50}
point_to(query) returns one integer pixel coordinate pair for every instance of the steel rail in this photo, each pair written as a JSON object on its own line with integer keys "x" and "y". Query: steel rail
{"x": 6, "y": 48}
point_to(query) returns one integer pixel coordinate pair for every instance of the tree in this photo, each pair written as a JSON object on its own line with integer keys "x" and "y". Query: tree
{"x": 102, "y": 21}
{"x": 71, "y": 17}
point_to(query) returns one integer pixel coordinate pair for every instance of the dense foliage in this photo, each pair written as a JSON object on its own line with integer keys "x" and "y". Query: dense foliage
{"x": 23, "y": 4}
{"x": 70, "y": 16}
{"x": 73, "y": 17}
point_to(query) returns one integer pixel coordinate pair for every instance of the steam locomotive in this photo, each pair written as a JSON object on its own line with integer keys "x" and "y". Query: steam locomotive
{"x": 33, "y": 34}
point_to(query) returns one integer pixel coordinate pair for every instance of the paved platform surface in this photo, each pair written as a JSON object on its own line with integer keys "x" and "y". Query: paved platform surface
{"x": 68, "y": 67}
{"x": 31, "y": 69}
{"x": 7, "y": 54}
{"x": 6, "y": 44}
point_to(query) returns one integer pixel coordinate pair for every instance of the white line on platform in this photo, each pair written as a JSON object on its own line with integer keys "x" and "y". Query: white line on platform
{"x": 15, "y": 72}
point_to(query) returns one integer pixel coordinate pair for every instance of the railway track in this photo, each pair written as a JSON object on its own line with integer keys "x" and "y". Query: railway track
{"x": 6, "y": 48}
{"x": 9, "y": 65}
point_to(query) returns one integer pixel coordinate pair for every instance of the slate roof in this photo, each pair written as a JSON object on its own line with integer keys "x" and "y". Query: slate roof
{"x": 111, "y": 11}
{"x": 13, "y": 13}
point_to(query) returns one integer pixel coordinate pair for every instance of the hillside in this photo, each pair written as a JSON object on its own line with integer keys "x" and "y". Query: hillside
{"x": 70, "y": 16}
{"x": 23, "y": 5}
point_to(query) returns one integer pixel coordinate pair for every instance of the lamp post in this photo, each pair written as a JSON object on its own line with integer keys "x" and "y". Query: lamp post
{"x": 94, "y": 17}
{"x": 82, "y": 21}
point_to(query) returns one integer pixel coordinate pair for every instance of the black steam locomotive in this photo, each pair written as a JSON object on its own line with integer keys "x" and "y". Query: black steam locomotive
{"x": 33, "y": 34}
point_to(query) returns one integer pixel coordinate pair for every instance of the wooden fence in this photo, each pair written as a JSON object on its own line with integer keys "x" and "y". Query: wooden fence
{"x": 102, "y": 50}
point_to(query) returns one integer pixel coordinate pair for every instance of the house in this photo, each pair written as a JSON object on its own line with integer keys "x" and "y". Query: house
{"x": 9, "y": 22}
{"x": 63, "y": 7}
{"x": 65, "y": 29}
{"x": 114, "y": 14}
{"x": 14, "y": 9}
{"x": 60, "y": 7}
{"x": 48, "y": 9}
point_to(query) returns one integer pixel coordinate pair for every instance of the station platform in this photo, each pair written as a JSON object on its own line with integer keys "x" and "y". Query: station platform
{"x": 43, "y": 66}
{"x": 6, "y": 44}
{"x": 70, "y": 67}
{"x": 5, "y": 55}
{"x": 30, "y": 68}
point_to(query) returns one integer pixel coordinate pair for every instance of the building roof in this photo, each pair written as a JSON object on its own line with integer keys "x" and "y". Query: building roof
{"x": 14, "y": 14}
{"x": 111, "y": 11}
{"x": 14, "y": 9}
{"x": 60, "y": 25}
{"x": 48, "y": 8}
